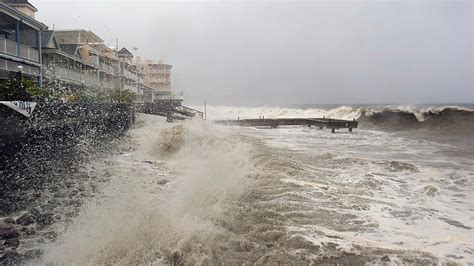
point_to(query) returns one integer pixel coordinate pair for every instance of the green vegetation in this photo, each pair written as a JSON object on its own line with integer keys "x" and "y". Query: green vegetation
{"x": 121, "y": 96}
{"x": 27, "y": 90}
{"x": 24, "y": 90}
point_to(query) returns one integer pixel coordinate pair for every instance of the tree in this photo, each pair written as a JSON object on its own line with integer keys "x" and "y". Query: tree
{"x": 23, "y": 90}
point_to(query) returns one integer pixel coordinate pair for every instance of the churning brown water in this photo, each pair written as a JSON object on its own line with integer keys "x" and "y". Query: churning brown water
{"x": 195, "y": 192}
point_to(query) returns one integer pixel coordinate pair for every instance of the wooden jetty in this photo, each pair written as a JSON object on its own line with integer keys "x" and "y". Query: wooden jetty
{"x": 332, "y": 124}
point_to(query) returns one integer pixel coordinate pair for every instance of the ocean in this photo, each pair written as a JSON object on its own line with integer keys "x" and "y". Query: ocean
{"x": 397, "y": 190}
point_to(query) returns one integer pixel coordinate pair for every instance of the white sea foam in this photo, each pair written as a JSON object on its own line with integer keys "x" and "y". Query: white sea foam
{"x": 341, "y": 112}
{"x": 195, "y": 192}
{"x": 392, "y": 183}
{"x": 136, "y": 219}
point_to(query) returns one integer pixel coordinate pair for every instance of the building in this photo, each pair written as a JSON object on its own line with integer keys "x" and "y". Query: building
{"x": 103, "y": 68}
{"x": 23, "y": 6}
{"x": 63, "y": 64}
{"x": 74, "y": 60}
{"x": 20, "y": 40}
{"x": 156, "y": 75}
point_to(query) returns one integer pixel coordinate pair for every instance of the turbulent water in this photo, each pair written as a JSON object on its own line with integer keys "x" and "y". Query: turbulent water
{"x": 195, "y": 192}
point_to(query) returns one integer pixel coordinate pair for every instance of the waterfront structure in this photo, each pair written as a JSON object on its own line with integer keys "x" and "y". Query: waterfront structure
{"x": 75, "y": 60}
{"x": 63, "y": 64}
{"x": 20, "y": 40}
{"x": 156, "y": 75}
{"x": 103, "y": 68}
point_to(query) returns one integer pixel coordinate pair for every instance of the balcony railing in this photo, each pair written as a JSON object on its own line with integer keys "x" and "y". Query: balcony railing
{"x": 167, "y": 97}
{"x": 158, "y": 80}
{"x": 107, "y": 68}
{"x": 28, "y": 53}
{"x": 10, "y": 47}
{"x": 12, "y": 66}
{"x": 64, "y": 74}
{"x": 91, "y": 80}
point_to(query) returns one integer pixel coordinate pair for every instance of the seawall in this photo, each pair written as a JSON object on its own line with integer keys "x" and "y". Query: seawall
{"x": 40, "y": 160}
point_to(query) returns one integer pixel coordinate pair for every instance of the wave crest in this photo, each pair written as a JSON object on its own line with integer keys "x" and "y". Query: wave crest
{"x": 390, "y": 117}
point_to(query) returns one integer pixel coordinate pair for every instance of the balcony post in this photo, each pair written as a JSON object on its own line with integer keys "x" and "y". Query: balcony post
{"x": 40, "y": 58}
{"x": 17, "y": 37}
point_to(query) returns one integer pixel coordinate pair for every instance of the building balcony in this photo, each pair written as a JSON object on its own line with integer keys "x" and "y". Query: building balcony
{"x": 67, "y": 75}
{"x": 157, "y": 96}
{"x": 91, "y": 81}
{"x": 12, "y": 66}
{"x": 159, "y": 81}
{"x": 11, "y": 48}
{"x": 107, "y": 68}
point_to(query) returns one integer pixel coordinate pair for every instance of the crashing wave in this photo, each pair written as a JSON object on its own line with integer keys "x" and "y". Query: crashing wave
{"x": 394, "y": 117}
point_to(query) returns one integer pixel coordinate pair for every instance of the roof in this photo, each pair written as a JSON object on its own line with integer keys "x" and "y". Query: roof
{"x": 19, "y": 2}
{"x": 46, "y": 37}
{"x": 90, "y": 36}
{"x": 15, "y": 14}
{"x": 69, "y": 48}
{"x": 124, "y": 51}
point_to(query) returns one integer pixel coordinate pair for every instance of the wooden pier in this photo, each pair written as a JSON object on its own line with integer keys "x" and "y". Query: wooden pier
{"x": 332, "y": 124}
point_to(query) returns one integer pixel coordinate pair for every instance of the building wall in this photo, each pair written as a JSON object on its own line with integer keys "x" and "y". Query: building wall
{"x": 155, "y": 75}
{"x": 25, "y": 10}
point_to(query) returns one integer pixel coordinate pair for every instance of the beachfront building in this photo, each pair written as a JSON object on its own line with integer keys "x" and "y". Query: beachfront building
{"x": 63, "y": 64}
{"x": 99, "y": 68}
{"x": 73, "y": 60}
{"x": 130, "y": 76}
{"x": 157, "y": 76}
{"x": 20, "y": 40}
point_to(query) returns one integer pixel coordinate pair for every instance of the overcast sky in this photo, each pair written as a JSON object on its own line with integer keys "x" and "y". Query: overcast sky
{"x": 271, "y": 52}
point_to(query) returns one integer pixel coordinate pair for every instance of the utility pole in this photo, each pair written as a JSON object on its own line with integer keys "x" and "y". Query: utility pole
{"x": 205, "y": 111}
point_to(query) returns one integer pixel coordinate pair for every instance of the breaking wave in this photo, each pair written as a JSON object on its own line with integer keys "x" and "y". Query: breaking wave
{"x": 389, "y": 117}
{"x": 449, "y": 117}
{"x": 198, "y": 193}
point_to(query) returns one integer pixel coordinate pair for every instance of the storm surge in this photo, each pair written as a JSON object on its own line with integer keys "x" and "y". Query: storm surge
{"x": 198, "y": 193}
{"x": 387, "y": 117}
{"x": 165, "y": 200}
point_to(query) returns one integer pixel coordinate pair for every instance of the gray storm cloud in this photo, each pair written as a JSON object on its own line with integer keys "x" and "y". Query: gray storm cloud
{"x": 293, "y": 52}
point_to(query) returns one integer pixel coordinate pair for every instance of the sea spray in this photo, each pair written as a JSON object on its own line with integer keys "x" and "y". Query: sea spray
{"x": 226, "y": 195}
{"x": 136, "y": 220}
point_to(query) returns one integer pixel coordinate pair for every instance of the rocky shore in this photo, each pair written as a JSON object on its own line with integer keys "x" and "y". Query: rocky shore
{"x": 43, "y": 180}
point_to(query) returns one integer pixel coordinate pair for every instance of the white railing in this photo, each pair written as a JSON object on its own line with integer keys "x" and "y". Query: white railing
{"x": 62, "y": 73}
{"x": 28, "y": 53}
{"x": 8, "y": 47}
{"x": 167, "y": 97}
{"x": 34, "y": 55}
{"x": 91, "y": 80}
{"x": 159, "y": 80}
{"x": 93, "y": 60}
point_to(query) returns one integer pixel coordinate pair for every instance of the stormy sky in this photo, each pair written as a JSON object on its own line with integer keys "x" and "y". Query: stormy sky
{"x": 242, "y": 52}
